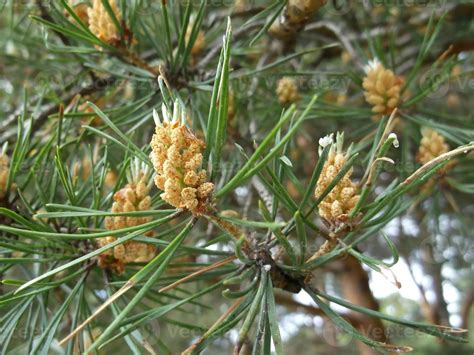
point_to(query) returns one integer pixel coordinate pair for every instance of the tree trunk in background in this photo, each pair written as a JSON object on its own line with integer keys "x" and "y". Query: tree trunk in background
{"x": 466, "y": 309}
{"x": 440, "y": 314}
{"x": 355, "y": 287}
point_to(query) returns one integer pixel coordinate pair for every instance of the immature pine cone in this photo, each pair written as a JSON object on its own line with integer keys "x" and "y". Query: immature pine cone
{"x": 177, "y": 158}
{"x": 344, "y": 196}
{"x": 382, "y": 88}
{"x": 4, "y": 171}
{"x": 287, "y": 91}
{"x": 101, "y": 24}
{"x": 133, "y": 197}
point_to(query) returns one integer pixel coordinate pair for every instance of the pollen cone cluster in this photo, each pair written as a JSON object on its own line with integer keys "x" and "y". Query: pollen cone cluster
{"x": 4, "y": 171}
{"x": 432, "y": 145}
{"x": 101, "y": 24}
{"x": 382, "y": 89}
{"x": 133, "y": 197}
{"x": 177, "y": 158}
{"x": 336, "y": 206}
{"x": 287, "y": 91}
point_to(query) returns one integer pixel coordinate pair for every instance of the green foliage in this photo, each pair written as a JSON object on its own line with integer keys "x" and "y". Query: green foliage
{"x": 80, "y": 114}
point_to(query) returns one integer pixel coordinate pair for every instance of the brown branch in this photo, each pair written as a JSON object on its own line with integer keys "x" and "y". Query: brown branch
{"x": 51, "y": 108}
{"x": 133, "y": 59}
{"x": 464, "y": 149}
{"x": 197, "y": 273}
{"x": 341, "y": 35}
{"x": 227, "y": 226}
{"x": 354, "y": 282}
{"x": 217, "y": 44}
{"x": 426, "y": 306}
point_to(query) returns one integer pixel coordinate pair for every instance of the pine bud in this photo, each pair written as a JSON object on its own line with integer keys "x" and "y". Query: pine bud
{"x": 133, "y": 197}
{"x": 230, "y": 107}
{"x": 382, "y": 89}
{"x": 101, "y": 24}
{"x": 200, "y": 41}
{"x": 86, "y": 166}
{"x": 336, "y": 206}
{"x": 110, "y": 178}
{"x": 80, "y": 9}
{"x": 230, "y": 213}
{"x": 294, "y": 17}
{"x": 453, "y": 101}
{"x": 298, "y": 10}
{"x": 4, "y": 171}
{"x": 287, "y": 91}
{"x": 40, "y": 210}
{"x": 177, "y": 159}
{"x": 240, "y": 6}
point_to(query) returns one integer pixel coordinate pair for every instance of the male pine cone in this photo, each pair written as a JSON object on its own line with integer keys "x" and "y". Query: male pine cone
{"x": 177, "y": 159}
{"x": 382, "y": 89}
{"x": 337, "y": 205}
{"x": 101, "y": 24}
{"x": 432, "y": 145}
{"x": 287, "y": 91}
{"x": 133, "y": 197}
